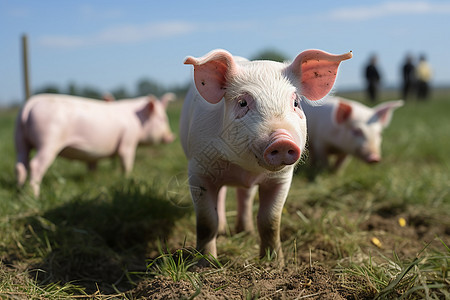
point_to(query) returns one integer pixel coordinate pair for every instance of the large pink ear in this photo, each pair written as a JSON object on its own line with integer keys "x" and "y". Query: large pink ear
{"x": 315, "y": 71}
{"x": 108, "y": 97}
{"x": 342, "y": 112}
{"x": 151, "y": 103}
{"x": 211, "y": 73}
{"x": 166, "y": 98}
{"x": 383, "y": 112}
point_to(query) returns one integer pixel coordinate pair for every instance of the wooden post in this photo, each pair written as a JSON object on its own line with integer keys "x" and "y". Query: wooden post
{"x": 25, "y": 66}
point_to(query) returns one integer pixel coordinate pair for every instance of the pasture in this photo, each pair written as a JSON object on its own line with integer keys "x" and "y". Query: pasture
{"x": 370, "y": 231}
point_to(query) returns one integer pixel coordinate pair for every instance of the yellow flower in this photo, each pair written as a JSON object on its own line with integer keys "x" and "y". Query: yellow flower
{"x": 376, "y": 242}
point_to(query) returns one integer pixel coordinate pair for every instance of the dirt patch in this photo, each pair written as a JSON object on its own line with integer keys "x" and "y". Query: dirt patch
{"x": 406, "y": 234}
{"x": 103, "y": 266}
{"x": 413, "y": 226}
{"x": 163, "y": 288}
{"x": 250, "y": 282}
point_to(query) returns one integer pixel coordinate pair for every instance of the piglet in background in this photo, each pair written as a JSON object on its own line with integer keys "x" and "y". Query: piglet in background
{"x": 242, "y": 125}
{"x": 344, "y": 127}
{"x": 87, "y": 130}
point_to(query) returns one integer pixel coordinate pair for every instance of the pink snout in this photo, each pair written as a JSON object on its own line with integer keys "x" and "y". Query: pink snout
{"x": 169, "y": 138}
{"x": 282, "y": 151}
{"x": 373, "y": 158}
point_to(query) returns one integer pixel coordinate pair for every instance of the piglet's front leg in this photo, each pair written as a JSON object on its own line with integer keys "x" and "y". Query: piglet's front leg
{"x": 205, "y": 199}
{"x": 272, "y": 196}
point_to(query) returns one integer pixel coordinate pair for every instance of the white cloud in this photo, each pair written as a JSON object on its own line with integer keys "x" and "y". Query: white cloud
{"x": 89, "y": 12}
{"x": 62, "y": 41}
{"x": 363, "y": 13}
{"x": 121, "y": 35}
{"x": 131, "y": 33}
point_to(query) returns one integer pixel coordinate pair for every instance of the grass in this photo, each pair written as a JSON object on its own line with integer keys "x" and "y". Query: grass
{"x": 101, "y": 235}
{"x": 425, "y": 277}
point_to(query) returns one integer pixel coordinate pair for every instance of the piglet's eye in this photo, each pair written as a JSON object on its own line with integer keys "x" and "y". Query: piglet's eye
{"x": 242, "y": 103}
{"x": 357, "y": 132}
{"x": 296, "y": 100}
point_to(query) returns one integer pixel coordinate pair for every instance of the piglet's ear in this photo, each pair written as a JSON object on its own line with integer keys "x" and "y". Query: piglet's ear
{"x": 315, "y": 72}
{"x": 211, "y": 73}
{"x": 151, "y": 103}
{"x": 109, "y": 97}
{"x": 383, "y": 112}
{"x": 343, "y": 112}
{"x": 167, "y": 98}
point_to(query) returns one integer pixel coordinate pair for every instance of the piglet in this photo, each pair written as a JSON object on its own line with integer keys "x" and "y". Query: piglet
{"x": 242, "y": 125}
{"x": 344, "y": 127}
{"x": 87, "y": 130}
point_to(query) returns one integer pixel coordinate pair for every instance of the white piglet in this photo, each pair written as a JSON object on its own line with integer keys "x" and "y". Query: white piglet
{"x": 344, "y": 127}
{"x": 87, "y": 130}
{"x": 242, "y": 125}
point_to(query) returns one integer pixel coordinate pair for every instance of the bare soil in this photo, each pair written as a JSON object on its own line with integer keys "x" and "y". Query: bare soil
{"x": 314, "y": 282}
{"x": 313, "y": 276}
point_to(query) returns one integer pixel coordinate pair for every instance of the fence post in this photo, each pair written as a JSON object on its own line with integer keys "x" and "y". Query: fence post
{"x": 25, "y": 66}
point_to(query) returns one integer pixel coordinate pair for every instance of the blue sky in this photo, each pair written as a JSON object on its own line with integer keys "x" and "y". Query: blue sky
{"x": 109, "y": 44}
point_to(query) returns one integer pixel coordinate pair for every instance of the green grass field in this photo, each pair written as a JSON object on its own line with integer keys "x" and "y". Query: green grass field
{"x": 101, "y": 235}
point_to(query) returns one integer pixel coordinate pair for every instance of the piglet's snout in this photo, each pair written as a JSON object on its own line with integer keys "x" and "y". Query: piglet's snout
{"x": 168, "y": 138}
{"x": 282, "y": 150}
{"x": 373, "y": 158}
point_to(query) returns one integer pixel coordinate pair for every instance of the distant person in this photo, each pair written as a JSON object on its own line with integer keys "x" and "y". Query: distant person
{"x": 409, "y": 76}
{"x": 423, "y": 74}
{"x": 373, "y": 79}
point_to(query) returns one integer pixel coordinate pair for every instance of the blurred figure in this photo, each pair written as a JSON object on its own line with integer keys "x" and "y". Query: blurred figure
{"x": 373, "y": 79}
{"x": 408, "y": 72}
{"x": 423, "y": 74}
